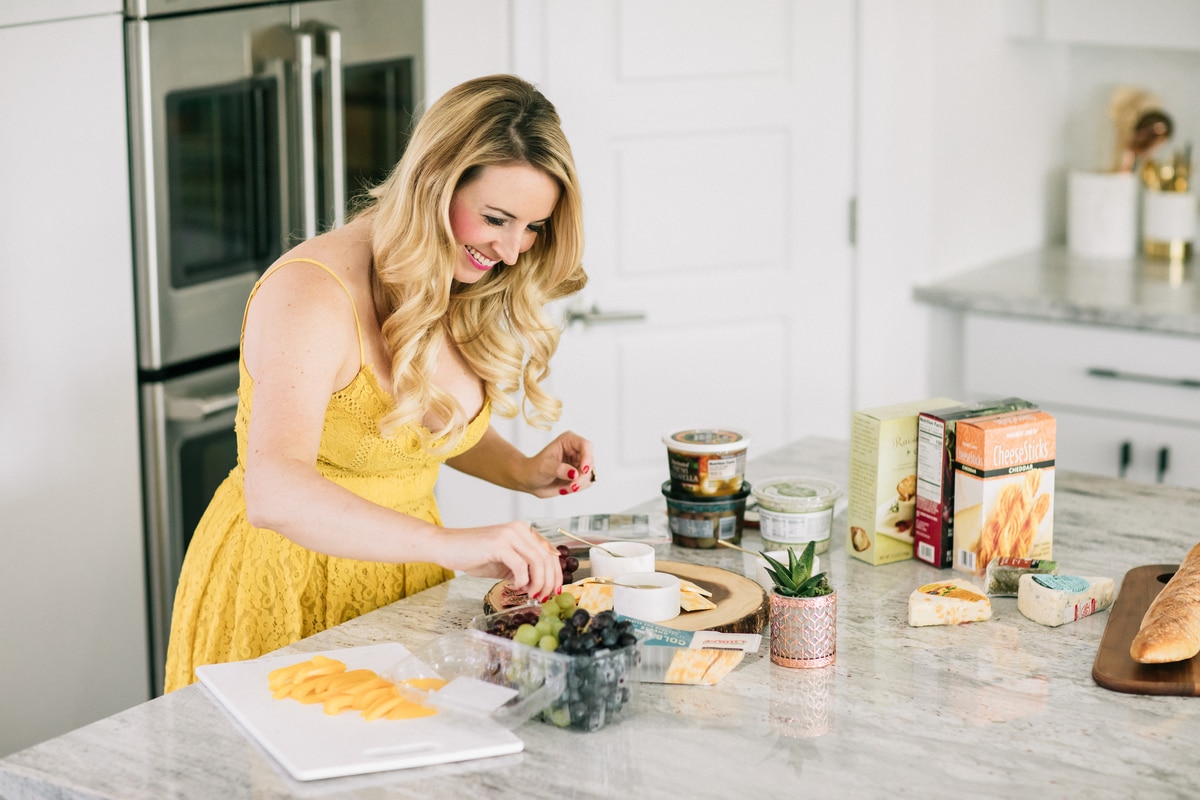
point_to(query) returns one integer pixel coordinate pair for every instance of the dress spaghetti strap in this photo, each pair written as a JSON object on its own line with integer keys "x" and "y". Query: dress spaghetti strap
{"x": 362, "y": 357}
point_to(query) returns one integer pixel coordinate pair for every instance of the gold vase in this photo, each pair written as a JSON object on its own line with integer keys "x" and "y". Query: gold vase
{"x": 803, "y": 630}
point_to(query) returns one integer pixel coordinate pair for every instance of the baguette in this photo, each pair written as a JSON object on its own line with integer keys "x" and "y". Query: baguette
{"x": 1170, "y": 631}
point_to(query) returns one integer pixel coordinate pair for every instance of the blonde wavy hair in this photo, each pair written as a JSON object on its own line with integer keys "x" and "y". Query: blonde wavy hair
{"x": 498, "y": 323}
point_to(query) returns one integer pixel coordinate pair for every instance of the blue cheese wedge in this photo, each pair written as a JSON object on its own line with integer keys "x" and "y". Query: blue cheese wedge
{"x": 1055, "y": 600}
{"x": 948, "y": 603}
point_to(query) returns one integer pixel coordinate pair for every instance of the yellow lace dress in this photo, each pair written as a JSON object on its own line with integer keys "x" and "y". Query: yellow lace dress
{"x": 246, "y": 591}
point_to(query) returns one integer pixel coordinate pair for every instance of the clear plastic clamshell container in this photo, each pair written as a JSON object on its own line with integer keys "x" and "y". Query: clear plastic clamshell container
{"x": 485, "y": 676}
{"x": 595, "y": 690}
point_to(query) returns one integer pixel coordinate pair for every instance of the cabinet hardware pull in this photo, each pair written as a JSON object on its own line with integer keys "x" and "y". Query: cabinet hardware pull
{"x": 594, "y": 316}
{"x": 1126, "y": 458}
{"x": 1164, "y": 462}
{"x": 1120, "y": 375}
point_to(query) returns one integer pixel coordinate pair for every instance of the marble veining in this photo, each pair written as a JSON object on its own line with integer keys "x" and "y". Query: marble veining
{"x": 987, "y": 710}
{"x": 1140, "y": 294}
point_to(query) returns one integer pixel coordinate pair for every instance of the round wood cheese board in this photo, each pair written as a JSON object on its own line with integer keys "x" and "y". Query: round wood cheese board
{"x": 742, "y": 605}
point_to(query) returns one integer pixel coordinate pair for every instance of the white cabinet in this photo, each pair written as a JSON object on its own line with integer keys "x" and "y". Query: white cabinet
{"x": 72, "y": 572}
{"x": 15, "y": 12}
{"x": 1128, "y": 402}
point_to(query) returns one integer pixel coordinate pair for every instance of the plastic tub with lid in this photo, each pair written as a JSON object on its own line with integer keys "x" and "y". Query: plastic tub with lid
{"x": 706, "y": 462}
{"x": 795, "y": 510}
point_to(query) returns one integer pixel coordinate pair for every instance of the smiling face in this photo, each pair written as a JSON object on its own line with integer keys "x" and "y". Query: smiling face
{"x": 498, "y": 216}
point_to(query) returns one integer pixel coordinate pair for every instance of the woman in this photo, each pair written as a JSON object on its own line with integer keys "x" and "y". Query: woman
{"x": 371, "y": 354}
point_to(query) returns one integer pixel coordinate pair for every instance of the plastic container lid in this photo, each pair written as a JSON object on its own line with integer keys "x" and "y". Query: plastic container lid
{"x": 687, "y": 498}
{"x": 796, "y": 494}
{"x": 706, "y": 441}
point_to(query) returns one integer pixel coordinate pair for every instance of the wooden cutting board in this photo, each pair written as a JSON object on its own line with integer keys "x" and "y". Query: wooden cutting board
{"x": 742, "y": 605}
{"x": 1114, "y": 668}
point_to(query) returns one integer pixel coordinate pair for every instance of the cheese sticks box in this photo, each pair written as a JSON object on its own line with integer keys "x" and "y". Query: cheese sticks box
{"x": 1003, "y": 489}
{"x": 883, "y": 480}
{"x": 934, "y": 524}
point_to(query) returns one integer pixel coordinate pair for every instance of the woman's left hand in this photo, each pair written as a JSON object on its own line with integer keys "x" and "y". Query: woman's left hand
{"x": 564, "y": 466}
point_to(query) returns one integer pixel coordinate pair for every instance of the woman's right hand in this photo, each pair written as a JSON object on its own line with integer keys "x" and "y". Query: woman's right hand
{"x": 513, "y": 551}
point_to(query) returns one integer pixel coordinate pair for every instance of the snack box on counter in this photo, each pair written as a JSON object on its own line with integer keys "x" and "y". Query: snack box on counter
{"x": 1004, "y": 489}
{"x": 883, "y": 480}
{"x": 934, "y": 523}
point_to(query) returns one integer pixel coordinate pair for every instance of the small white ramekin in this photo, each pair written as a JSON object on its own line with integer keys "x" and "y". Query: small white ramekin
{"x": 631, "y": 557}
{"x": 649, "y": 596}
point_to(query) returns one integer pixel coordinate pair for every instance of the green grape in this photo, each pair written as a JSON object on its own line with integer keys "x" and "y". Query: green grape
{"x": 543, "y": 626}
{"x": 527, "y": 634}
{"x": 548, "y": 642}
{"x": 565, "y": 603}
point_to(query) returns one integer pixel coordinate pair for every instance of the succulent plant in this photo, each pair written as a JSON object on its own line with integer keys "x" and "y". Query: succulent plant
{"x": 795, "y": 579}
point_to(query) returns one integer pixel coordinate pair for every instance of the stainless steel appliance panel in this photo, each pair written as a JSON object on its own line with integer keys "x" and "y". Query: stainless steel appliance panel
{"x": 367, "y": 83}
{"x": 198, "y": 172}
{"x": 189, "y": 447}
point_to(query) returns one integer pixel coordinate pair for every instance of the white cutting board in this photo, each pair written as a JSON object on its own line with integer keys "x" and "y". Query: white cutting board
{"x": 311, "y": 744}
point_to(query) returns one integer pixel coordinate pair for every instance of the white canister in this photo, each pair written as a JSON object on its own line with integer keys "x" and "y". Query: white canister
{"x": 1102, "y": 214}
{"x": 794, "y": 511}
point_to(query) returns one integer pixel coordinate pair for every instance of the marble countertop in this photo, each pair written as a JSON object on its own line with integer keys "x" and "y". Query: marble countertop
{"x": 1051, "y": 284}
{"x": 987, "y": 710}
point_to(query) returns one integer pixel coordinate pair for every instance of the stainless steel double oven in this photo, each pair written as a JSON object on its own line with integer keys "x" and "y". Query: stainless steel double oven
{"x": 251, "y": 127}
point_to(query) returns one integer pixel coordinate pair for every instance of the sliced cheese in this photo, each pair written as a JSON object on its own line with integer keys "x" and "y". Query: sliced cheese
{"x": 702, "y": 667}
{"x": 948, "y": 603}
{"x": 688, "y": 586}
{"x": 1055, "y": 600}
{"x": 694, "y": 601}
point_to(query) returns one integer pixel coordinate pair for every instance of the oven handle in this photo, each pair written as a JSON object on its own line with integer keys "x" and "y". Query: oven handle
{"x": 194, "y": 409}
{"x": 306, "y": 113}
{"x": 328, "y": 40}
{"x": 287, "y": 56}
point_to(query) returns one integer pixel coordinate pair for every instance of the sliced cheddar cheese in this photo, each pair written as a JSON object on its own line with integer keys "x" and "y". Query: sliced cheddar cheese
{"x": 950, "y": 602}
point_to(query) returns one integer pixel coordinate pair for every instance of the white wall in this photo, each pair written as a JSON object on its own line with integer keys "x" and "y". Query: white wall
{"x": 959, "y": 148}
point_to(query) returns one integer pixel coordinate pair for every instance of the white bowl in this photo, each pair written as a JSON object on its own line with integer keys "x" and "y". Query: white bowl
{"x": 781, "y": 556}
{"x": 632, "y": 557}
{"x": 649, "y": 596}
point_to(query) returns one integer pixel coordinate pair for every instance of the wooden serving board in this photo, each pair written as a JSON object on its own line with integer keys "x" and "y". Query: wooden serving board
{"x": 1114, "y": 668}
{"x": 742, "y": 605}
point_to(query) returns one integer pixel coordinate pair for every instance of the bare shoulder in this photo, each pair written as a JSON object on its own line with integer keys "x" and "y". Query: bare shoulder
{"x": 303, "y": 313}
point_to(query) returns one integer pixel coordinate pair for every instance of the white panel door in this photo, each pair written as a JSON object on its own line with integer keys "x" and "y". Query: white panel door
{"x": 714, "y": 145}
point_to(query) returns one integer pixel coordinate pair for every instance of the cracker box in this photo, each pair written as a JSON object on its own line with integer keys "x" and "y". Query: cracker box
{"x": 1003, "y": 489}
{"x": 883, "y": 480}
{"x": 934, "y": 525}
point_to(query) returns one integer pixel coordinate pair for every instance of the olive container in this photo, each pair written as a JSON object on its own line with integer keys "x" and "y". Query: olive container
{"x": 702, "y": 522}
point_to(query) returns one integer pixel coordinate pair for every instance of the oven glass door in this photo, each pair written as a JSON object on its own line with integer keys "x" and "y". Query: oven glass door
{"x": 222, "y": 158}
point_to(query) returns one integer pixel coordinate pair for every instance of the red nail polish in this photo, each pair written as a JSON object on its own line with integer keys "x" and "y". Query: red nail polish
{"x": 562, "y": 491}
{"x": 571, "y": 474}
{"x": 586, "y": 469}
{"x": 574, "y": 487}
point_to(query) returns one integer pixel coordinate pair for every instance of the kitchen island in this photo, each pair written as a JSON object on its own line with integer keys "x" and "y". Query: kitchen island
{"x": 997, "y": 709}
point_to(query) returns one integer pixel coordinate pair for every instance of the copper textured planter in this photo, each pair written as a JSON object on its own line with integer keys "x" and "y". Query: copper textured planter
{"x": 803, "y": 630}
